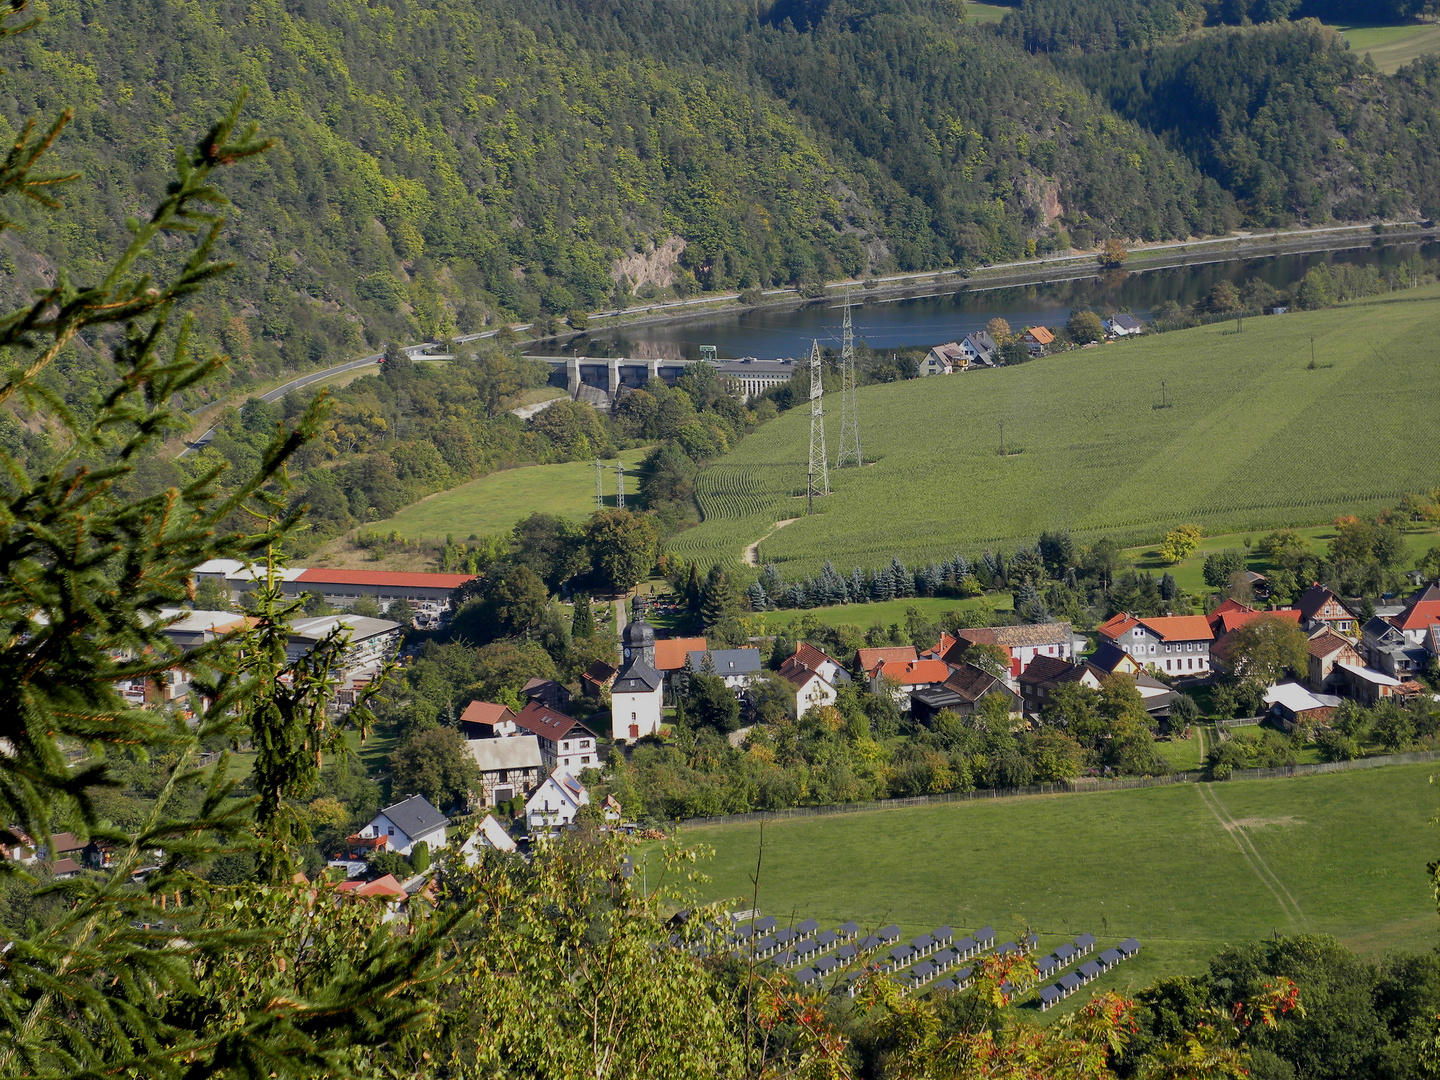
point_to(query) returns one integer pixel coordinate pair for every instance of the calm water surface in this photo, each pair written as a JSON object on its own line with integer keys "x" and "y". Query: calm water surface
{"x": 931, "y": 320}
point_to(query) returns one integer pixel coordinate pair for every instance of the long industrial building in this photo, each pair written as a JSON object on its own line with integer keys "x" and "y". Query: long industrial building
{"x": 428, "y": 594}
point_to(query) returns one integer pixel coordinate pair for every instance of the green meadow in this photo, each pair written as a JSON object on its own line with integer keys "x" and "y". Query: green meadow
{"x": 1254, "y": 437}
{"x": 1186, "y": 869}
{"x": 494, "y": 503}
{"x": 1392, "y": 47}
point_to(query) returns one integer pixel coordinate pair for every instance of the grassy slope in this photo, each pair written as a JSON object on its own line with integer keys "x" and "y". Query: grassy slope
{"x": 1253, "y": 440}
{"x": 494, "y": 503}
{"x": 1392, "y": 47}
{"x": 985, "y": 13}
{"x": 1154, "y": 863}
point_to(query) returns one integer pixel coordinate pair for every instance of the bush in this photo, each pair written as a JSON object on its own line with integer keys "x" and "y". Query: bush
{"x": 388, "y": 862}
{"x": 750, "y": 296}
{"x": 420, "y": 857}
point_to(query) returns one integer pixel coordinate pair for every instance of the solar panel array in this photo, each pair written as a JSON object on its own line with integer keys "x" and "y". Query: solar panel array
{"x": 1088, "y": 972}
{"x": 839, "y": 957}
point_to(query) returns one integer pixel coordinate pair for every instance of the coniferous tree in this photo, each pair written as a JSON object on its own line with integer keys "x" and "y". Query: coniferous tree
{"x": 582, "y": 624}
{"x": 89, "y": 572}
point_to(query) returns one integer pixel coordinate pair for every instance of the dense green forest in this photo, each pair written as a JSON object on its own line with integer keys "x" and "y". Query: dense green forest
{"x": 1286, "y": 119}
{"x": 440, "y": 166}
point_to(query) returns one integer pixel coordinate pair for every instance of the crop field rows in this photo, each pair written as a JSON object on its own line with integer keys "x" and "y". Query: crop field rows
{"x": 1254, "y": 438}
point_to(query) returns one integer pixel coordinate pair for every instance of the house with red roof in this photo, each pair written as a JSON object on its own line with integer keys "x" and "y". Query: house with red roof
{"x": 487, "y": 720}
{"x": 1021, "y": 644}
{"x": 866, "y": 660}
{"x": 901, "y": 678}
{"x": 670, "y": 653}
{"x": 1177, "y": 645}
{"x": 1324, "y": 651}
{"x": 814, "y": 676}
{"x": 1404, "y": 644}
{"x": 564, "y": 741}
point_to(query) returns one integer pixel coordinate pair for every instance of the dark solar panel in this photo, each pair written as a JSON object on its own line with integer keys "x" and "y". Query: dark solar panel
{"x": 1130, "y": 946}
{"x": 809, "y": 926}
{"x": 868, "y": 942}
{"x": 850, "y": 929}
{"x": 1071, "y": 981}
{"x": 942, "y": 934}
{"x": 985, "y": 934}
{"x": 765, "y": 925}
{"x": 966, "y": 944}
{"x": 1064, "y": 952}
{"x": 1090, "y": 969}
{"x": 890, "y": 933}
{"x": 846, "y": 952}
{"x": 1111, "y": 957}
{"x": 1085, "y": 941}
{"x": 945, "y": 984}
{"x": 924, "y": 941}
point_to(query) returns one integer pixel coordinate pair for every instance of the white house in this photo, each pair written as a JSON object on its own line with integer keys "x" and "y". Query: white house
{"x": 944, "y": 360}
{"x": 1175, "y": 644}
{"x": 555, "y": 802}
{"x": 636, "y": 695}
{"x": 564, "y": 741}
{"x": 980, "y": 348}
{"x": 1022, "y": 644}
{"x": 488, "y": 834}
{"x": 1122, "y": 324}
{"x": 400, "y": 827}
{"x": 737, "y": 667}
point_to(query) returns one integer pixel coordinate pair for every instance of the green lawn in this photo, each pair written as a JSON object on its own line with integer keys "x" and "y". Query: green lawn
{"x": 496, "y": 502}
{"x": 1341, "y": 854}
{"x": 1392, "y": 47}
{"x": 985, "y": 13}
{"x": 1243, "y": 446}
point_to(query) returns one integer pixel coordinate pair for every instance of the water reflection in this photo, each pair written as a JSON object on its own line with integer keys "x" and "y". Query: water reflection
{"x": 930, "y": 320}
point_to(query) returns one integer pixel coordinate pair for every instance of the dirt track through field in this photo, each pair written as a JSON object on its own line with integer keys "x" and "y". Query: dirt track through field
{"x": 752, "y": 553}
{"x": 1288, "y": 905}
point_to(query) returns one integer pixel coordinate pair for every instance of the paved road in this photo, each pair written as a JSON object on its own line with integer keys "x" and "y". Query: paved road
{"x": 294, "y": 384}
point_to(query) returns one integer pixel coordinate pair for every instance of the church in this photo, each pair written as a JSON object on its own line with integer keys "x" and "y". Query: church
{"x": 635, "y": 696}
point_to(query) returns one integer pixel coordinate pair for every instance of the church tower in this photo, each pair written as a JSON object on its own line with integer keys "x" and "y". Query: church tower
{"x": 637, "y": 642}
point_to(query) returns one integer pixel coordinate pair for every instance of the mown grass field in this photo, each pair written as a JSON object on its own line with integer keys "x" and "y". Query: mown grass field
{"x": 1186, "y": 869}
{"x": 985, "y": 13}
{"x": 494, "y": 503}
{"x": 886, "y": 611}
{"x": 1253, "y": 439}
{"x": 1392, "y": 47}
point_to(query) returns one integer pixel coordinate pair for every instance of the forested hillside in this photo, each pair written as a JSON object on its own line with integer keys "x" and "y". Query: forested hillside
{"x": 1287, "y": 120}
{"x": 442, "y": 164}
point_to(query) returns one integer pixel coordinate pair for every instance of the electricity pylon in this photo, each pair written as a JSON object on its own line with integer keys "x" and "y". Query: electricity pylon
{"x": 599, "y": 485}
{"x": 620, "y": 484}
{"x": 849, "y": 407}
{"x": 819, "y": 474}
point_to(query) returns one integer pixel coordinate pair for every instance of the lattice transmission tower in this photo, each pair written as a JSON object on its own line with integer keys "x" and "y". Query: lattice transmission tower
{"x": 849, "y": 407}
{"x": 819, "y": 474}
{"x": 620, "y": 484}
{"x": 599, "y": 485}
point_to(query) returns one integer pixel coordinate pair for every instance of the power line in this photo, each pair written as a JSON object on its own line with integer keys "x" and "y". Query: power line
{"x": 819, "y": 474}
{"x": 849, "y": 406}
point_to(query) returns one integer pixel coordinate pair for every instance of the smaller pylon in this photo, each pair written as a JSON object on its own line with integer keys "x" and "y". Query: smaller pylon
{"x": 599, "y": 485}
{"x": 620, "y": 484}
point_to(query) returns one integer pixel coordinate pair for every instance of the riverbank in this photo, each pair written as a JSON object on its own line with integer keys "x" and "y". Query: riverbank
{"x": 1045, "y": 270}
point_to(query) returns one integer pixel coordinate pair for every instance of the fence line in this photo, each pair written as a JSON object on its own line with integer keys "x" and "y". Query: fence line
{"x": 1068, "y": 787}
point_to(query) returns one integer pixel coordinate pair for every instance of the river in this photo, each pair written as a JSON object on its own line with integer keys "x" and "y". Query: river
{"x": 931, "y": 320}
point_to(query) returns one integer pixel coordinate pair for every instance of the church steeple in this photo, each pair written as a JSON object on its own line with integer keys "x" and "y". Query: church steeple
{"x": 637, "y": 642}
